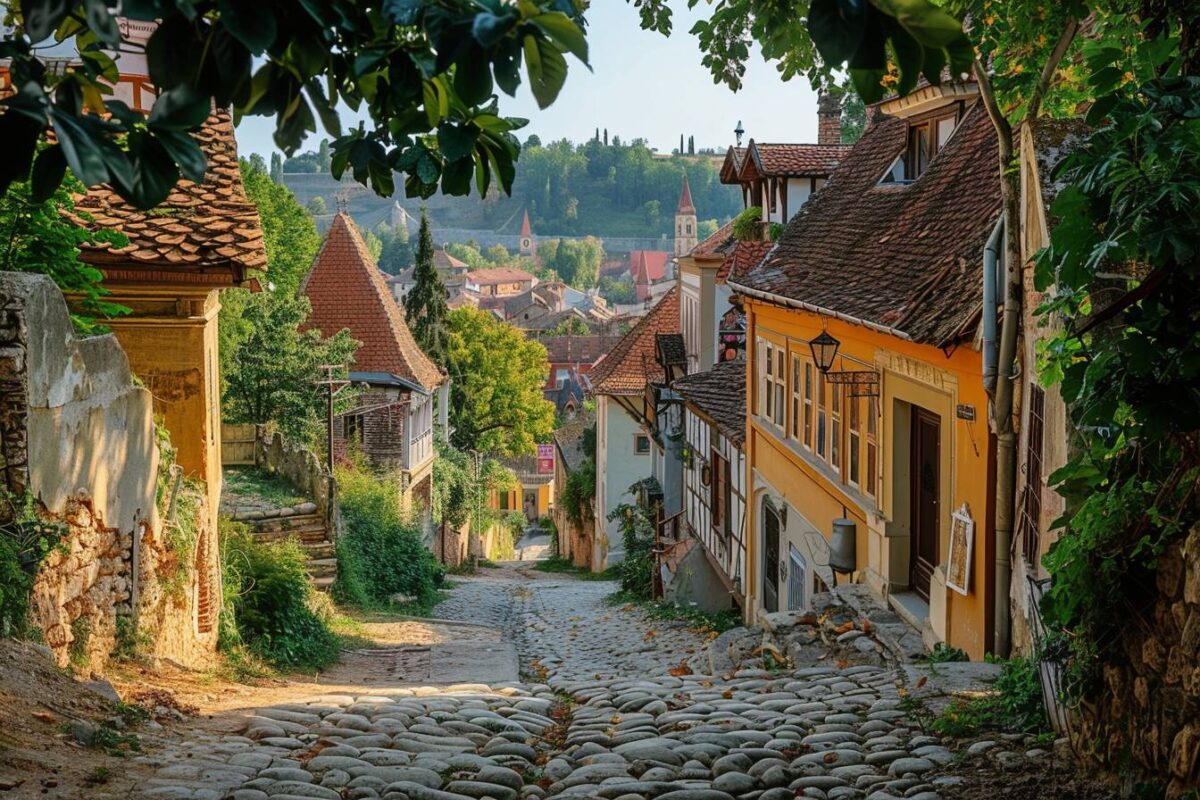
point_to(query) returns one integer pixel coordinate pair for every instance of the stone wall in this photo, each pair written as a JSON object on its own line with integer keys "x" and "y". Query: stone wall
{"x": 78, "y": 434}
{"x": 1149, "y": 707}
{"x": 298, "y": 465}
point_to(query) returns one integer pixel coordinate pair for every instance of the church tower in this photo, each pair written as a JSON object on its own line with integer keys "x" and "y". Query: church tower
{"x": 526, "y": 242}
{"x": 685, "y": 221}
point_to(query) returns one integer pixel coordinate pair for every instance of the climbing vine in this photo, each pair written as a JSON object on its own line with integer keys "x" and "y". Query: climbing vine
{"x": 1123, "y": 272}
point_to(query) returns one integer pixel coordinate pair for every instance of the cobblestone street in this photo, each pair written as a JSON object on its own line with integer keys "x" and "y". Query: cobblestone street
{"x": 607, "y": 707}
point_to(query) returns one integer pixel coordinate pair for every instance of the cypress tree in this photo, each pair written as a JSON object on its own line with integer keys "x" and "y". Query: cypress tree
{"x": 691, "y": 145}
{"x": 681, "y": 144}
{"x": 277, "y": 168}
{"x": 425, "y": 304}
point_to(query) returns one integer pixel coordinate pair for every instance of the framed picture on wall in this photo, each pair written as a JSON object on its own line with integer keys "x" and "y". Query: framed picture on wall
{"x": 962, "y": 544}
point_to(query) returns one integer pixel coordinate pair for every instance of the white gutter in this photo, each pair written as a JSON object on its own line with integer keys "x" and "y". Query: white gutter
{"x": 780, "y": 300}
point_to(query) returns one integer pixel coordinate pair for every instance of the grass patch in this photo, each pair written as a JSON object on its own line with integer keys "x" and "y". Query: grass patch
{"x": 560, "y": 565}
{"x": 1015, "y": 706}
{"x": 268, "y": 487}
{"x": 697, "y": 620}
{"x": 943, "y": 653}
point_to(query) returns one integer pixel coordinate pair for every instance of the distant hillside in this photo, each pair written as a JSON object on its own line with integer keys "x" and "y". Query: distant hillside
{"x": 614, "y": 191}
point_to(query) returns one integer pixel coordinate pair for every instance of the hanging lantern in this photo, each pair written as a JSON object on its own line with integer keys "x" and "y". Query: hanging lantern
{"x": 824, "y": 350}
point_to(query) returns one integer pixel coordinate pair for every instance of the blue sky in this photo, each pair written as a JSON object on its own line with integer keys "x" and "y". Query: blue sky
{"x": 648, "y": 86}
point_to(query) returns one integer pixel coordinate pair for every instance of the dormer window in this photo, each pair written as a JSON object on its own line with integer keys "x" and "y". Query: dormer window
{"x": 926, "y": 136}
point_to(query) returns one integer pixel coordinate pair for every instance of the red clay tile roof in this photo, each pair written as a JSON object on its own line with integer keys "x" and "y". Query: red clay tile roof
{"x": 716, "y": 242}
{"x": 347, "y": 290}
{"x": 631, "y": 364}
{"x": 211, "y": 224}
{"x": 816, "y": 160}
{"x": 444, "y": 261}
{"x": 906, "y": 257}
{"x": 576, "y": 349}
{"x": 492, "y": 275}
{"x": 652, "y": 263}
{"x": 732, "y": 166}
{"x": 720, "y": 395}
{"x": 740, "y": 257}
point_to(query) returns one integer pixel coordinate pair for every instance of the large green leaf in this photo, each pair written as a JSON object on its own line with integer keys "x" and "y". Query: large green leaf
{"x": 48, "y": 173}
{"x": 456, "y": 177}
{"x": 154, "y": 171}
{"x": 547, "y": 70}
{"x": 563, "y": 31}
{"x": 180, "y": 108}
{"x": 249, "y": 22}
{"x": 101, "y": 21}
{"x": 472, "y": 78}
{"x": 82, "y": 147}
{"x": 42, "y": 17}
{"x": 403, "y": 12}
{"x": 837, "y": 27}
{"x": 456, "y": 141}
{"x": 185, "y": 152}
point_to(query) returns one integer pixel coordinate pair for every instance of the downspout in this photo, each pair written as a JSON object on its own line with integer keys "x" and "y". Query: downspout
{"x": 992, "y": 256}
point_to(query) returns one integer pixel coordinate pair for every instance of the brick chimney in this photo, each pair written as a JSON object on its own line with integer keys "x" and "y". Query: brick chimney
{"x": 829, "y": 119}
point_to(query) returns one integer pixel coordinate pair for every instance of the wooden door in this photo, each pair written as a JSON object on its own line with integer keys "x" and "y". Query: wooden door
{"x": 925, "y": 482}
{"x": 770, "y": 559}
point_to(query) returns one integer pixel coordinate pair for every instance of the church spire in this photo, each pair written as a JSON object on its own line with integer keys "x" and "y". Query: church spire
{"x": 526, "y": 238}
{"x": 685, "y": 198}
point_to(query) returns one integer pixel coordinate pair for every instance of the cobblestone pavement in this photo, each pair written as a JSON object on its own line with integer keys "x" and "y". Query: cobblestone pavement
{"x": 606, "y": 712}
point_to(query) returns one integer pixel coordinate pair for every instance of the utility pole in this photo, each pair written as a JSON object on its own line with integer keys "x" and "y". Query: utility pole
{"x": 332, "y": 388}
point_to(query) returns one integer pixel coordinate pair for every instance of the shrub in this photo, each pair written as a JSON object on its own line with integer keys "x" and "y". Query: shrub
{"x": 1014, "y": 707}
{"x": 24, "y": 542}
{"x": 380, "y": 552}
{"x": 636, "y": 570}
{"x": 267, "y": 595}
{"x": 747, "y": 226}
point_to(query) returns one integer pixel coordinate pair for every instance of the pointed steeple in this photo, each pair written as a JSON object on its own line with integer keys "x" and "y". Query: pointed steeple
{"x": 685, "y": 198}
{"x": 526, "y": 238}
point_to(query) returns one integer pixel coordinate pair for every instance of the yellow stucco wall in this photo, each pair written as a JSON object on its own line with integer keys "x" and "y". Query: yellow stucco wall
{"x": 911, "y": 375}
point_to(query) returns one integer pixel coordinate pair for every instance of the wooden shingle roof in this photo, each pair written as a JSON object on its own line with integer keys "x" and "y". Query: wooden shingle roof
{"x": 206, "y": 225}
{"x": 347, "y": 290}
{"x": 904, "y": 257}
{"x": 720, "y": 395}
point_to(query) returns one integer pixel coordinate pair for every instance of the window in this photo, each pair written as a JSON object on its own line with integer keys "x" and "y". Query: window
{"x": 505, "y": 501}
{"x": 561, "y": 376}
{"x": 808, "y": 404}
{"x": 352, "y": 428}
{"x": 872, "y": 444}
{"x": 796, "y": 388}
{"x": 926, "y": 136}
{"x": 1031, "y": 497}
{"x": 720, "y": 488}
{"x": 641, "y": 444}
{"x": 821, "y": 416}
{"x": 767, "y": 365}
{"x": 835, "y": 425}
{"x": 854, "y": 443}
{"x": 780, "y": 387}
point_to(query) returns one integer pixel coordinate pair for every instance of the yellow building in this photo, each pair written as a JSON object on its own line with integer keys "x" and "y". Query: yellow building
{"x": 887, "y": 435}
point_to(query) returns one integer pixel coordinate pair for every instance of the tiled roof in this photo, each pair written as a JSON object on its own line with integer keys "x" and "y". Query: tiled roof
{"x": 347, "y": 290}
{"x": 815, "y": 160}
{"x": 485, "y": 277}
{"x": 632, "y": 364}
{"x": 444, "y": 261}
{"x": 715, "y": 242}
{"x": 576, "y": 349}
{"x": 210, "y": 224}
{"x": 740, "y": 256}
{"x": 569, "y": 439}
{"x": 526, "y": 230}
{"x": 670, "y": 349}
{"x": 719, "y": 394}
{"x": 651, "y": 263}
{"x": 906, "y": 257}
{"x": 732, "y": 166}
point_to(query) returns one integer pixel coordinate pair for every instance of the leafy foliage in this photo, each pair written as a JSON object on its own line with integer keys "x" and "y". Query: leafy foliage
{"x": 577, "y": 261}
{"x": 579, "y": 495}
{"x": 496, "y": 404}
{"x": 425, "y": 304}
{"x": 635, "y": 570}
{"x": 267, "y": 594}
{"x": 24, "y": 542}
{"x": 748, "y": 225}
{"x": 1015, "y": 706}
{"x": 396, "y": 254}
{"x": 461, "y": 492}
{"x": 1124, "y": 268}
{"x": 380, "y": 552}
{"x": 424, "y": 73}
{"x": 35, "y": 236}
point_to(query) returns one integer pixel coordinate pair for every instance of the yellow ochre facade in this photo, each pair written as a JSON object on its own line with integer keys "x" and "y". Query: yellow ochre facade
{"x": 912, "y": 456}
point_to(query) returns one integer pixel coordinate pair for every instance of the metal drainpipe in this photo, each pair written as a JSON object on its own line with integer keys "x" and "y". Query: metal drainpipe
{"x": 991, "y": 257}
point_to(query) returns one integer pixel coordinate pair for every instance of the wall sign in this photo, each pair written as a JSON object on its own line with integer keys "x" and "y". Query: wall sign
{"x": 962, "y": 545}
{"x": 545, "y": 457}
{"x": 965, "y": 412}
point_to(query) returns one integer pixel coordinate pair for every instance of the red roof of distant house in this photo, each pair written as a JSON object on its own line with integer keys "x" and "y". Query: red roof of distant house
{"x": 632, "y": 363}
{"x": 815, "y": 160}
{"x": 347, "y": 290}
{"x": 685, "y": 198}
{"x": 493, "y": 275}
{"x": 443, "y": 260}
{"x": 651, "y": 263}
{"x": 583, "y": 350}
{"x": 526, "y": 230}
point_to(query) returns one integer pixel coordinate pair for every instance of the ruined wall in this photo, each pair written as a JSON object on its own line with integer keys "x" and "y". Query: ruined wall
{"x": 1149, "y": 708}
{"x": 79, "y": 435}
{"x": 298, "y": 465}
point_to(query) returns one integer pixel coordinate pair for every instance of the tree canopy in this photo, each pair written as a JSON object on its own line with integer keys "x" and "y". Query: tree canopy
{"x": 425, "y": 304}
{"x": 496, "y": 404}
{"x": 425, "y": 74}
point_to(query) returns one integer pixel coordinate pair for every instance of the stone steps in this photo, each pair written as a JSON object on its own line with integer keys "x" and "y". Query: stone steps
{"x": 308, "y": 529}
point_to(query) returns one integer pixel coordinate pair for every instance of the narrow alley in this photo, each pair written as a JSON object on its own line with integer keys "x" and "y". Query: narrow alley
{"x": 586, "y": 699}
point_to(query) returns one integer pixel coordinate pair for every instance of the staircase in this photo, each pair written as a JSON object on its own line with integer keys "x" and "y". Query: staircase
{"x": 304, "y": 524}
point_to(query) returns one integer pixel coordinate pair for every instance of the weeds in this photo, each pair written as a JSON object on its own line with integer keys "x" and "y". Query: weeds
{"x": 1015, "y": 706}
{"x": 943, "y": 653}
{"x": 558, "y": 564}
{"x": 698, "y": 621}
